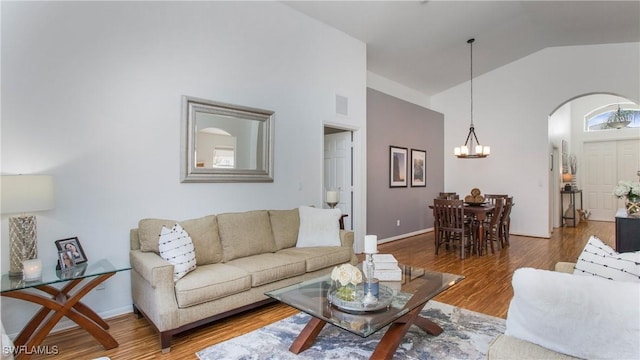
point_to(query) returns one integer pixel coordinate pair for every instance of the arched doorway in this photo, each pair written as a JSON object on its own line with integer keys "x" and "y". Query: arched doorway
{"x": 604, "y": 153}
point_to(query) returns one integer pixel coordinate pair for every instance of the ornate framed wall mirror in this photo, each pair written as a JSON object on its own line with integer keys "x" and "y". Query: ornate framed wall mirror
{"x": 225, "y": 143}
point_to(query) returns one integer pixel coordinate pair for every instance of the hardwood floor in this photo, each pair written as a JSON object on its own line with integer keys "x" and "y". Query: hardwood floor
{"x": 486, "y": 289}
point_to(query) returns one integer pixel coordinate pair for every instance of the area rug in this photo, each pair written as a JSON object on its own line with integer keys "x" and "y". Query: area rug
{"x": 466, "y": 335}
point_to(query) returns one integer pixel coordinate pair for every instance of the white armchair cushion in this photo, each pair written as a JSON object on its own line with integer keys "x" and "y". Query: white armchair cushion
{"x": 318, "y": 227}
{"x": 585, "y": 317}
{"x": 599, "y": 259}
{"x": 176, "y": 247}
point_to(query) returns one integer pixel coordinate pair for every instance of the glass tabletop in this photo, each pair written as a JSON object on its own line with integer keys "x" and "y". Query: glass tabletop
{"x": 51, "y": 276}
{"x": 417, "y": 286}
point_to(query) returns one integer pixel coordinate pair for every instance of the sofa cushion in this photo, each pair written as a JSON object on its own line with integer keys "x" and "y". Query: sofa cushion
{"x": 321, "y": 257}
{"x": 585, "y": 317}
{"x": 318, "y": 227}
{"x": 176, "y": 247}
{"x": 245, "y": 234}
{"x": 203, "y": 232}
{"x": 599, "y": 259}
{"x": 285, "y": 225}
{"x": 269, "y": 267}
{"x": 210, "y": 282}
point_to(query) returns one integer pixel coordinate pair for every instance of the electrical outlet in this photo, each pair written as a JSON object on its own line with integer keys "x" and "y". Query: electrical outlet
{"x": 397, "y": 222}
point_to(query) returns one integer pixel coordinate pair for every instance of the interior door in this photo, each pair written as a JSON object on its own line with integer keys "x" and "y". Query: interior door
{"x": 605, "y": 163}
{"x": 337, "y": 171}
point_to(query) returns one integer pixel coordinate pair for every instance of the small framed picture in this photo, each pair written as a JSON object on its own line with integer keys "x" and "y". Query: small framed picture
{"x": 73, "y": 245}
{"x": 65, "y": 260}
{"x": 418, "y": 168}
{"x": 397, "y": 166}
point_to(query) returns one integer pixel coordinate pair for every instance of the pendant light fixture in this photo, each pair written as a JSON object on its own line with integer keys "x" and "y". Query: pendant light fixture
{"x": 472, "y": 148}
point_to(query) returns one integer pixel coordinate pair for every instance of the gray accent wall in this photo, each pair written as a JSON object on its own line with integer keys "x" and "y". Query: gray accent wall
{"x": 392, "y": 121}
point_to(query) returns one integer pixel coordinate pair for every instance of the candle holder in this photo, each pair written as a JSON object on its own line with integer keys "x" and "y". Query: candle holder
{"x": 369, "y": 298}
{"x": 332, "y": 198}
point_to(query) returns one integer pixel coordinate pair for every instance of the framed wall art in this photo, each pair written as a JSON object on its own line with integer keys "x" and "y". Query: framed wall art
{"x": 397, "y": 166}
{"x": 73, "y": 245}
{"x": 418, "y": 167}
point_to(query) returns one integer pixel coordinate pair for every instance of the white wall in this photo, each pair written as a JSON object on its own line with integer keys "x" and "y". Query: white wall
{"x": 511, "y": 109}
{"x": 91, "y": 94}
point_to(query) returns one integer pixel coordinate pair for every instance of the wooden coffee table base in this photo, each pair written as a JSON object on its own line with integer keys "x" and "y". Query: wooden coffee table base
{"x": 387, "y": 345}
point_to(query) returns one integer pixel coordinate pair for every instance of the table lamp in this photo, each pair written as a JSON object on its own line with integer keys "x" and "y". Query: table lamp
{"x": 566, "y": 178}
{"x": 22, "y": 194}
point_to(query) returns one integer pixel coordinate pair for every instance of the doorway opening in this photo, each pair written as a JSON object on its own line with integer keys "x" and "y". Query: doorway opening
{"x": 604, "y": 154}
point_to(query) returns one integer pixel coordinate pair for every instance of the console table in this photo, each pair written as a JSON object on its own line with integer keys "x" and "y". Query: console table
{"x": 58, "y": 302}
{"x": 627, "y": 232}
{"x": 572, "y": 204}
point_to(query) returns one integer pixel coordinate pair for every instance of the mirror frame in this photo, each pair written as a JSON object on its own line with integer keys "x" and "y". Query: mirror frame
{"x": 188, "y": 170}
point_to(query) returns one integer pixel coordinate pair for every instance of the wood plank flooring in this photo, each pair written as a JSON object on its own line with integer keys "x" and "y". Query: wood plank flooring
{"x": 486, "y": 289}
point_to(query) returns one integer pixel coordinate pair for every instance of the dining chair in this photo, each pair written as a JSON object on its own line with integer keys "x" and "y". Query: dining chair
{"x": 448, "y": 196}
{"x": 492, "y": 226}
{"x": 490, "y": 198}
{"x": 505, "y": 222}
{"x": 450, "y": 226}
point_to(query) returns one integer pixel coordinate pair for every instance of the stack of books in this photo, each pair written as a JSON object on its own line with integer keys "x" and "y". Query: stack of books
{"x": 386, "y": 268}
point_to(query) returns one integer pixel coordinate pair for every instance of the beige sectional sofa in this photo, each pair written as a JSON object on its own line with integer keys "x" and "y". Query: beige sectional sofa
{"x": 239, "y": 256}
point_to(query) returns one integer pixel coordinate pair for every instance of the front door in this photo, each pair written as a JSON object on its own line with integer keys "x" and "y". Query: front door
{"x": 606, "y": 163}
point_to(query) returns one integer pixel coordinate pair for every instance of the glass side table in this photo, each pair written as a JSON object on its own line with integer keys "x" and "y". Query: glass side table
{"x": 62, "y": 302}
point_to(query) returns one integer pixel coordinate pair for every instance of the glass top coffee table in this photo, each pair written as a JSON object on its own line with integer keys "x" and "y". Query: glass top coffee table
{"x": 410, "y": 295}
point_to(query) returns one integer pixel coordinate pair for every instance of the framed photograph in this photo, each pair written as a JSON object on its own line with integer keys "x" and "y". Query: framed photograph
{"x": 73, "y": 245}
{"x": 418, "y": 168}
{"x": 65, "y": 260}
{"x": 397, "y": 166}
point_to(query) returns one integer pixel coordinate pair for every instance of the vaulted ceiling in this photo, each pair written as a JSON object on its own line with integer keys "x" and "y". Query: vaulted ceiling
{"x": 423, "y": 44}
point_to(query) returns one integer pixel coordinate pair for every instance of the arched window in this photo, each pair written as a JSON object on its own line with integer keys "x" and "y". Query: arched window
{"x": 613, "y": 116}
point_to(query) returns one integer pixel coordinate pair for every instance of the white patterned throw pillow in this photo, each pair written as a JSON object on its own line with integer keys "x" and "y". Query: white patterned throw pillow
{"x": 599, "y": 259}
{"x": 176, "y": 247}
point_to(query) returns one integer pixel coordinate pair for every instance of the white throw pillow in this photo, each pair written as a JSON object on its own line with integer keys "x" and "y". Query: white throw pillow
{"x": 585, "y": 317}
{"x": 319, "y": 227}
{"x": 599, "y": 259}
{"x": 176, "y": 247}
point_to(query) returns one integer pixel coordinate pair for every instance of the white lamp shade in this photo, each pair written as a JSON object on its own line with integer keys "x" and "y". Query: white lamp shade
{"x": 26, "y": 193}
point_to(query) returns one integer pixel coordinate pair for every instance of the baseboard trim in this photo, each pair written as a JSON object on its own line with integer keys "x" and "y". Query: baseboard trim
{"x": 404, "y": 236}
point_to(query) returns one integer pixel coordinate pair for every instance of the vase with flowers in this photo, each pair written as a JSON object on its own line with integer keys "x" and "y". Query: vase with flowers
{"x": 630, "y": 191}
{"x": 344, "y": 279}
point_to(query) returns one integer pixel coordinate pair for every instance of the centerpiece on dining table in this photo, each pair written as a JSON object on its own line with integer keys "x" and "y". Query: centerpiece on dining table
{"x": 630, "y": 192}
{"x": 475, "y": 198}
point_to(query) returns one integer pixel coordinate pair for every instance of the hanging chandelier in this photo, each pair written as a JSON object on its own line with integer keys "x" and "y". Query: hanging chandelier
{"x": 619, "y": 119}
{"x": 472, "y": 148}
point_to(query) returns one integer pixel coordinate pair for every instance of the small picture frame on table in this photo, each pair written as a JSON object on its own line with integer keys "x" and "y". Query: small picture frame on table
{"x": 65, "y": 260}
{"x": 72, "y": 245}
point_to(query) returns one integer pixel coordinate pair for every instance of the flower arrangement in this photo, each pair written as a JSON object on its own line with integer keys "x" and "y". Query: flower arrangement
{"x": 627, "y": 189}
{"x": 348, "y": 276}
{"x": 630, "y": 191}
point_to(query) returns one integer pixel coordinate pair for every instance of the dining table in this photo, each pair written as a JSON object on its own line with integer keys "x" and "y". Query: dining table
{"x": 480, "y": 212}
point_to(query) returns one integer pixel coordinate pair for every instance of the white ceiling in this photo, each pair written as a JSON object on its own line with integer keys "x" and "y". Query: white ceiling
{"x": 423, "y": 44}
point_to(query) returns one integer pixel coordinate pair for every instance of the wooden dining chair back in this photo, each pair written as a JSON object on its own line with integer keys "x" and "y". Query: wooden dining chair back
{"x": 492, "y": 229}
{"x": 490, "y": 198}
{"x": 448, "y": 196}
{"x": 449, "y": 224}
{"x": 505, "y": 221}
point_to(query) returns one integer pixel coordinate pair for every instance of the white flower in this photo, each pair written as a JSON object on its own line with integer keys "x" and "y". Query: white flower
{"x": 345, "y": 274}
{"x": 627, "y": 188}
